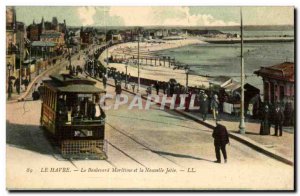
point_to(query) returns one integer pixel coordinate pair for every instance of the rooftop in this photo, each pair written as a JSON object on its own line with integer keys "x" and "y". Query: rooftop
{"x": 72, "y": 84}
{"x": 51, "y": 34}
{"x": 283, "y": 71}
{"x": 220, "y": 80}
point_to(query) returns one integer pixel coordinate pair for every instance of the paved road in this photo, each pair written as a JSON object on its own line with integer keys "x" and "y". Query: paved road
{"x": 138, "y": 139}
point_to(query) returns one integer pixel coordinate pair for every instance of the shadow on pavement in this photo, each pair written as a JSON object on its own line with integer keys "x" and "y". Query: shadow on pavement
{"x": 29, "y": 137}
{"x": 247, "y": 132}
{"x": 179, "y": 155}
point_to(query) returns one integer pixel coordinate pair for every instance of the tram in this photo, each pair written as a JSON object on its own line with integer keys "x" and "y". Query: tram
{"x": 72, "y": 116}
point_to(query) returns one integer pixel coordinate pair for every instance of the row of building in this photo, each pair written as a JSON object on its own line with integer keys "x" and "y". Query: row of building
{"x": 27, "y": 45}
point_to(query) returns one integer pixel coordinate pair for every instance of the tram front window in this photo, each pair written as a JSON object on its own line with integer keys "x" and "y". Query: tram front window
{"x": 87, "y": 108}
{"x": 83, "y": 107}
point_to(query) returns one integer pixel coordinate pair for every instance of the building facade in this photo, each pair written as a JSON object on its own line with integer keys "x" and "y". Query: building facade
{"x": 53, "y": 36}
{"x": 86, "y": 35}
{"x": 278, "y": 82}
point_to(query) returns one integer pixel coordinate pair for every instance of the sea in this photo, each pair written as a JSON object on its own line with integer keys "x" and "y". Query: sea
{"x": 224, "y": 59}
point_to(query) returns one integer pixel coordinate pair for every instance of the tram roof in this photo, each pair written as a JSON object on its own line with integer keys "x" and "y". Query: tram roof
{"x": 72, "y": 84}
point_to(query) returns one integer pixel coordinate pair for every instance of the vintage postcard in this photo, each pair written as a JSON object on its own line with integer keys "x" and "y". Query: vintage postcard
{"x": 150, "y": 98}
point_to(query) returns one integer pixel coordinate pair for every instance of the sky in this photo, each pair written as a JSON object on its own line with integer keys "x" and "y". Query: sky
{"x": 157, "y": 16}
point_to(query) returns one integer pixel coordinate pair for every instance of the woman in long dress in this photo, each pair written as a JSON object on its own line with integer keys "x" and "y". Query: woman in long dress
{"x": 265, "y": 121}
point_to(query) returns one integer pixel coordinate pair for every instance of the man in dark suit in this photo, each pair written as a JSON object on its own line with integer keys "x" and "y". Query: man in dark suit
{"x": 96, "y": 112}
{"x": 278, "y": 118}
{"x": 221, "y": 138}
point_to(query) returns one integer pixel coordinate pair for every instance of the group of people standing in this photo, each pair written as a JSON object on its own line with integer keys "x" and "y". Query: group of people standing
{"x": 207, "y": 103}
{"x": 272, "y": 116}
{"x": 73, "y": 70}
{"x": 24, "y": 83}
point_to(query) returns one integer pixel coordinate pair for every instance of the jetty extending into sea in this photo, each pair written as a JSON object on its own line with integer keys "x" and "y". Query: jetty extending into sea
{"x": 248, "y": 40}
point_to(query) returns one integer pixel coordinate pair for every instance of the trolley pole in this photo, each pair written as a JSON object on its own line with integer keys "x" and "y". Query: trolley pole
{"x": 242, "y": 120}
{"x": 126, "y": 86}
{"x": 138, "y": 88}
{"x": 9, "y": 82}
{"x": 70, "y": 61}
{"x": 21, "y": 56}
{"x": 30, "y": 62}
{"x": 187, "y": 69}
{"x": 106, "y": 38}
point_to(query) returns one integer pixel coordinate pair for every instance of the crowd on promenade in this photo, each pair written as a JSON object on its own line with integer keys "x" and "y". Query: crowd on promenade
{"x": 210, "y": 101}
{"x": 277, "y": 114}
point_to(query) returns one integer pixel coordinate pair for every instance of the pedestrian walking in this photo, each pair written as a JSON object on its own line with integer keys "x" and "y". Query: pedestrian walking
{"x": 10, "y": 87}
{"x": 104, "y": 80}
{"x": 26, "y": 83}
{"x": 129, "y": 78}
{"x": 164, "y": 86}
{"x": 203, "y": 105}
{"x": 288, "y": 113}
{"x": 168, "y": 89}
{"x": 17, "y": 85}
{"x": 221, "y": 139}
{"x": 149, "y": 89}
{"x": 172, "y": 88}
{"x": 133, "y": 86}
{"x": 41, "y": 90}
{"x": 278, "y": 118}
{"x": 116, "y": 81}
{"x": 118, "y": 88}
{"x": 187, "y": 101}
{"x": 265, "y": 121}
{"x": 215, "y": 106}
{"x": 157, "y": 87}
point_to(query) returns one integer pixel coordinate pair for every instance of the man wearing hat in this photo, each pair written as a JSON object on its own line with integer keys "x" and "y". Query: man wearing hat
{"x": 203, "y": 104}
{"x": 278, "y": 118}
{"x": 214, "y": 105}
{"x": 221, "y": 138}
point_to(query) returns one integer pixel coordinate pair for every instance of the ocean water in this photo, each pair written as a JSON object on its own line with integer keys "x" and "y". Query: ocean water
{"x": 224, "y": 59}
{"x": 270, "y": 33}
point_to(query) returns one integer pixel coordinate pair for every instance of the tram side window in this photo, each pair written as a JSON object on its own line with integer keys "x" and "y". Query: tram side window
{"x": 50, "y": 98}
{"x": 53, "y": 100}
{"x": 46, "y": 96}
{"x": 62, "y": 109}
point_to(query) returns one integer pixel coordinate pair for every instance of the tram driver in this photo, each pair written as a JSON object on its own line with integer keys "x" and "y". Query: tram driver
{"x": 96, "y": 112}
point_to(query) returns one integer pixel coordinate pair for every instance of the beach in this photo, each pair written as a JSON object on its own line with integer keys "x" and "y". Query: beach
{"x": 149, "y": 71}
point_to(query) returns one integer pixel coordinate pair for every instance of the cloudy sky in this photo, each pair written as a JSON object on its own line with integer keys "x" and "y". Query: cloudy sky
{"x": 162, "y": 16}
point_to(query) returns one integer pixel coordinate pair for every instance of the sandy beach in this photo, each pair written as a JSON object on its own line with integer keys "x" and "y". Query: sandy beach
{"x": 161, "y": 73}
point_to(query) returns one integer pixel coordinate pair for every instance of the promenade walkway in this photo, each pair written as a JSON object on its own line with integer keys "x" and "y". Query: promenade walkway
{"x": 280, "y": 148}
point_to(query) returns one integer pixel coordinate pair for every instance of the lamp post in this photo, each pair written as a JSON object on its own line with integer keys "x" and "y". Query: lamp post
{"x": 68, "y": 45}
{"x": 138, "y": 88}
{"x": 21, "y": 58}
{"x": 242, "y": 119}
{"x": 106, "y": 11}
{"x": 126, "y": 65}
{"x": 30, "y": 62}
{"x": 9, "y": 81}
{"x": 187, "y": 69}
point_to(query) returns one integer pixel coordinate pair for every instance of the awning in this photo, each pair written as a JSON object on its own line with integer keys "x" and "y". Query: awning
{"x": 42, "y": 44}
{"x": 232, "y": 86}
{"x": 80, "y": 88}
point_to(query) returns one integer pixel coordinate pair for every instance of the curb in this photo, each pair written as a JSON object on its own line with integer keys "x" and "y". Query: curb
{"x": 240, "y": 138}
{"x": 247, "y": 141}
